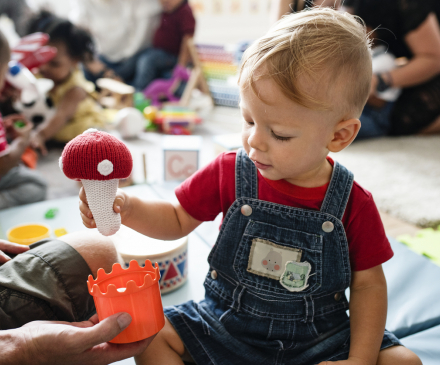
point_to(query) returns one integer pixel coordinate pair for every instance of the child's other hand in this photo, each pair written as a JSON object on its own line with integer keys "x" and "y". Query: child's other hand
{"x": 18, "y": 126}
{"x": 38, "y": 143}
{"x": 119, "y": 206}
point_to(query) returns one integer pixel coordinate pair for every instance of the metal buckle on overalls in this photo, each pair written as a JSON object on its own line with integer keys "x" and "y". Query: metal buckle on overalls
{"x": 309, "y": 307}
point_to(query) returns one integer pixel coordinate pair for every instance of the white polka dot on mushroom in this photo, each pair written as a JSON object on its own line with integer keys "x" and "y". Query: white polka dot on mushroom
{"x": 105, "y": 167}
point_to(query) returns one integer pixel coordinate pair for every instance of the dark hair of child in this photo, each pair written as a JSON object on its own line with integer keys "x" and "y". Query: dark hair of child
{"x": 79, "y": 43}
{"x": 5, "y": 51}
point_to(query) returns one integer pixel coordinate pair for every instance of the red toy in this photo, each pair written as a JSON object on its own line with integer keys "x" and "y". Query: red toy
{"x": 134, "y": 291}
{"x": 98, "y": 160}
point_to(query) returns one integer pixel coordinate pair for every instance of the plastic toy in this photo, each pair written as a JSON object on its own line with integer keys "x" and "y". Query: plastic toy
{"x": 426, "y": 242}
{"x": 31, "y": 51}
{"x": 171, "y": 256}
{"x": 129, "y": 122}
{"x": 60, "y": 232}
{"x": 98, "y": 160}
{"x": 177, "y": 120}
{"x": 165, "y": 88}
{"x": 135, "y": 291}
{"x": 26, "y": 234}
{"x": 19, "y": 124}
{"x": 150, "y": 112}
{"x": 139, "y": 101}
{"x": 51, "y": 213}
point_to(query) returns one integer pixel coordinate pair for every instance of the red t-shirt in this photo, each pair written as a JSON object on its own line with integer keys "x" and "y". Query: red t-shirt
{"x": 211, "y": 190}
{"x": 173, "y": 27}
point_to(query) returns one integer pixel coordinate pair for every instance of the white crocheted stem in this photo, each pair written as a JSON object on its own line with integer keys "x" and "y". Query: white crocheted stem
{"x": 101, "y": 196}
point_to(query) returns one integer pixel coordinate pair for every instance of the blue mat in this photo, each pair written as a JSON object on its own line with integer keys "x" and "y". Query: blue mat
{"x": 413, "y": 292}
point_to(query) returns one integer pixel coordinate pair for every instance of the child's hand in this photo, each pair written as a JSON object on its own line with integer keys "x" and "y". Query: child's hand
{"x": 350, "y": 361}
{"x": 38, "y": 143}
{"x": 120, "y": 205}
{"x": 18, "y": 126}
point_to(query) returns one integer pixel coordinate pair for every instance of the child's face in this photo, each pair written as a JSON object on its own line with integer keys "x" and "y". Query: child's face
{"x": 284, "y": 139}
{"x": 169, "y": 6}
{"x": 60, "y": 67}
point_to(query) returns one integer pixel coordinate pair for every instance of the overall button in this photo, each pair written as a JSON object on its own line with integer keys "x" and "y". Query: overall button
{"x": 328, "y": 227}
{"x": 214, "y": 274}
{"x": 246, "y": 210}
{"x": 338, "y": 296}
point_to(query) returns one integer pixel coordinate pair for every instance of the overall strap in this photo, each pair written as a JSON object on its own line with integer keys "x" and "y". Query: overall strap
{"x": 246, "y": 178}
{"x": 338, "y": 191}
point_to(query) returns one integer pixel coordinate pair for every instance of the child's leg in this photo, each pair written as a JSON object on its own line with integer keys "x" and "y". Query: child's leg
{"x": 167, "y": 348}
{"x": 21, "y": 186}
{"x": 398, "y": 355}
{"x": 149, "y": 66}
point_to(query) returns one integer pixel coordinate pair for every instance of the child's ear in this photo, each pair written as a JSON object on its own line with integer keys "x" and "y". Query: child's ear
{"x": 344, "y": 133}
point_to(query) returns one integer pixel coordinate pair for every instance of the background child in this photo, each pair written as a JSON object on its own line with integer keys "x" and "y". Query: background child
{"x": 18, "y": 184}
{"x": 76, "y": 110}
{"x": 297, "y": 232}
{"x": 177, "y": 25}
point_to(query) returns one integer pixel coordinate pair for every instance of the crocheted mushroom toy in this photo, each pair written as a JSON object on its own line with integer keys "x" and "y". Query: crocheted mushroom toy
{"x": 98, "y": 160}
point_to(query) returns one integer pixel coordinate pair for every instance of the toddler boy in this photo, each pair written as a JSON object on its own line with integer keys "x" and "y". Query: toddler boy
{"x": 297, "y": 231}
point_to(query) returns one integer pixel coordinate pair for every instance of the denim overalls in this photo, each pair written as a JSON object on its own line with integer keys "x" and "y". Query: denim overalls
{"x": 275, "y": 293}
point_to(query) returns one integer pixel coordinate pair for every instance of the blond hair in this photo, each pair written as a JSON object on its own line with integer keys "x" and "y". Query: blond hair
{"x": 310, "y": 44}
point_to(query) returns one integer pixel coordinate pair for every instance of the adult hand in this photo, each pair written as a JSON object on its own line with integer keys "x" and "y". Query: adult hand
{"x": 120, "y": 205}
{"x": 50, "y": 343}
{"x": 9, "y": 247}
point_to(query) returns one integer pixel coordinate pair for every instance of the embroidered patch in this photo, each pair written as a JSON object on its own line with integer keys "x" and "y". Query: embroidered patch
{"x": 296, "y": 275}
{"x": 267, "y": 258}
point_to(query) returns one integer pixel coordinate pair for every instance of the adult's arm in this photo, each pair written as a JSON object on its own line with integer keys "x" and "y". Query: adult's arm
{"x": 424, "y": 43}
{"x": 45, "y": 342}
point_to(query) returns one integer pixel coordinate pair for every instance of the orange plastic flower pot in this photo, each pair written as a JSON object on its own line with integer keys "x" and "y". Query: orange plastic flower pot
{"x": 135, "y": 291}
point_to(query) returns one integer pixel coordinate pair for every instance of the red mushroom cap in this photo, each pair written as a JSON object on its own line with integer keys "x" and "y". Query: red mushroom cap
{"x": 96, "y": 155}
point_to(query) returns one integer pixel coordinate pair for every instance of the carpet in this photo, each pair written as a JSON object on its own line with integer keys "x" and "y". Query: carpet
{"x": 402, "y": 173}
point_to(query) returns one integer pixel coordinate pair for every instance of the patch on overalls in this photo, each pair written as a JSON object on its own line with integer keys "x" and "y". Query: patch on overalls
{"x": 267, "y": 258}
{"x": 296, "y": 275}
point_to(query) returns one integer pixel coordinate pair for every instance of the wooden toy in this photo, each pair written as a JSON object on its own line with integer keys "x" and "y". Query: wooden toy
{"x": 26, "y": 234}
{"x": 51, "y": 213}
{"x": 171, "y": 256}
{"x": 99, "y": 160}
{"x": 135, "y": 291}
{"x": 115, "y": 94}
{"x": 181, "y": 156}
